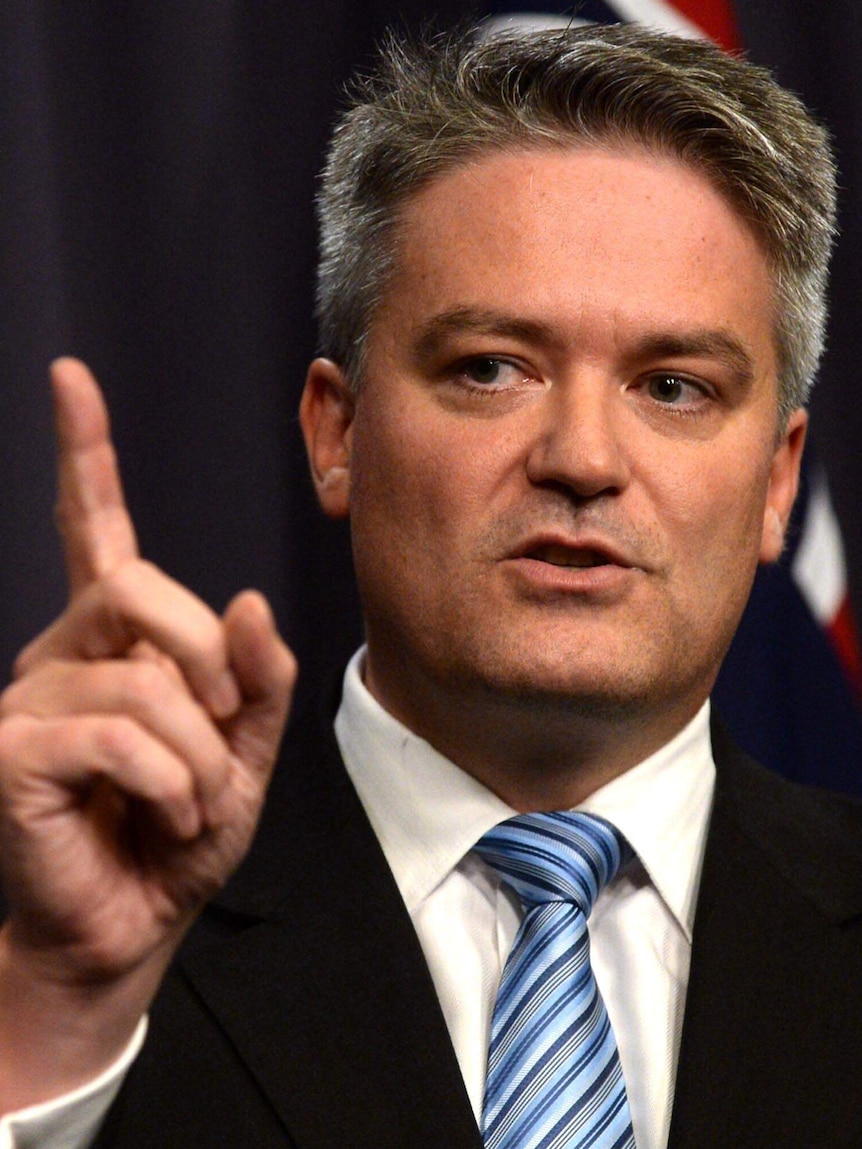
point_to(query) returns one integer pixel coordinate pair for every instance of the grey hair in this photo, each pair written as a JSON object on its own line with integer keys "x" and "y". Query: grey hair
{"x": 431, "y": 106}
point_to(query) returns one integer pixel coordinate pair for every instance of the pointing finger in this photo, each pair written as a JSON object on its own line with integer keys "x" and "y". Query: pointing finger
{"x": 94, "y": 523}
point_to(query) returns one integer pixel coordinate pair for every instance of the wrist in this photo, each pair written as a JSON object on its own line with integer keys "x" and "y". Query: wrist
{"x": 59, "y": 1031}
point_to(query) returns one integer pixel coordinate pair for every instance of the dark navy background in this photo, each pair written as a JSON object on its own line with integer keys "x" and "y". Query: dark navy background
{"x": 157, "y": 169}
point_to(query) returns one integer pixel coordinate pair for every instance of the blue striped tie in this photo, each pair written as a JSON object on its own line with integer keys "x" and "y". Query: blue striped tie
{"x": 554, "y": 1076}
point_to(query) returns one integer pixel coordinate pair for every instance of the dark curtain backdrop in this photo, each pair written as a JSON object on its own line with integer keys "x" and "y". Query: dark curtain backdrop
{"x": 157, "y": 169}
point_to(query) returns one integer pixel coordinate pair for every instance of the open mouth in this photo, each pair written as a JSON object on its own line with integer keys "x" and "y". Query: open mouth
{"x": 580, "y": 558}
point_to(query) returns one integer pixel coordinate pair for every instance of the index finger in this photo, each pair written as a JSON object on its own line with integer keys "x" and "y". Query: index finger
{"x": 94, "y": 523}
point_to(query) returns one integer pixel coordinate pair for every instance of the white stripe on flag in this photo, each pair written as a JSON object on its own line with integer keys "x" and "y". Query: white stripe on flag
{"x": 659, "y": 15}
{"x": 818, "y": 566}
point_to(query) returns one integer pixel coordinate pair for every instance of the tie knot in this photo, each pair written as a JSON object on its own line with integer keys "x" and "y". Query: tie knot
{"x": 560, "y": 857}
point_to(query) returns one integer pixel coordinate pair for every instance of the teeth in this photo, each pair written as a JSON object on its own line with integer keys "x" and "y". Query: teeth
{"x": 567, "y": 557}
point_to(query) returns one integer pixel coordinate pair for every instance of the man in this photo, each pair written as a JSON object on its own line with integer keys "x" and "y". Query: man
{"x": 571, "y": 299}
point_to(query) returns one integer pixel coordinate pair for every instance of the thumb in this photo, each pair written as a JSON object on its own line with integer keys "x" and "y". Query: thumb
{"x": 265, "y": 671}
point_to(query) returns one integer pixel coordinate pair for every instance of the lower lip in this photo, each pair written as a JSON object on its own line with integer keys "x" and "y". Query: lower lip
{"x": 606, "y": 580}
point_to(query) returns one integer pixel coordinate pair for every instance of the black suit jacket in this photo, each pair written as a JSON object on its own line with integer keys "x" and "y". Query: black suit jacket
{"x": 300, "y": 1012}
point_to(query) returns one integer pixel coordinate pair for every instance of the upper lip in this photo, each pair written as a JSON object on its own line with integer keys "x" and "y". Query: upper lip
{"x": 574, "y": 550}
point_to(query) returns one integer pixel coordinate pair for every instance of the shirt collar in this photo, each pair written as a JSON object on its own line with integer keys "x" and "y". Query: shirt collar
{"x": 428, "y": 813}
{"x": 662, "y": 806}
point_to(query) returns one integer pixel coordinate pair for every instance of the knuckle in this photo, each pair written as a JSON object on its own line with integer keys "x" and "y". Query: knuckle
{"x": 27, "y": 658}
{"x": 144, "y": 572}
{"x": 148, "y": 684}
{"x": 131, "y": 585}
{"x": 21, "y": 664}
{"x": 205, "y": 653}
{"x": 211, "y": 645}
{"x": 176, "y": 787}
{"x": 207, "y": 633}
{"x": 116, "y": 738}
{"x": 121, "y": 587}
{"x": 9, "y": 701}
{"x": 25, "y": 746}
{"x": 14, "y": 731}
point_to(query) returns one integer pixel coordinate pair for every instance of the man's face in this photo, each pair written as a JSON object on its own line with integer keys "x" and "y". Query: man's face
{"x": 563, "y": 465}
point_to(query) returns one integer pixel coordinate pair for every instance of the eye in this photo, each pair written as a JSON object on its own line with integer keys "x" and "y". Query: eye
{"x": 492, "y": 382}
{"x": 484, "y": 369}
{"x": 674, "y": 390}
{"x": 491, "y": 373}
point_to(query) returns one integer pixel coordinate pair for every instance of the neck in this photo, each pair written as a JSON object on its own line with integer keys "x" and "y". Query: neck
{"x": 534, "y": 752}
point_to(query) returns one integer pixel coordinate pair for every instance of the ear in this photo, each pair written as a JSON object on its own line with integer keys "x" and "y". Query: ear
{"x": 326, "y": 416}
{"x": 783, "y": 485}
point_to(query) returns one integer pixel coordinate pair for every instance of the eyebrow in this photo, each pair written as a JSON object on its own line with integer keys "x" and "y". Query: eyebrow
{"x": 706, "y": 343}
{"x": 432, "y": 335}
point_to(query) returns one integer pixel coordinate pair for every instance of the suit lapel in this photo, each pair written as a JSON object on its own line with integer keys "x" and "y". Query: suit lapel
{"x": 770, "y": 1049}
{"x": 322, "y": 987}
{"x": 310, "y": 965}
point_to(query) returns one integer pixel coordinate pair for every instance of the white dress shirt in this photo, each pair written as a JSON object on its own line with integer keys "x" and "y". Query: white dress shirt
{"x": 73, "y": 1120}
{"x": 428, "y": 814}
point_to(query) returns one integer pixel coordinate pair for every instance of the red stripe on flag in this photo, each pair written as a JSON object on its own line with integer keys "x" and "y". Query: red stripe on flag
{"x": 716, "y": 18}
{"x": 843, "y": 635}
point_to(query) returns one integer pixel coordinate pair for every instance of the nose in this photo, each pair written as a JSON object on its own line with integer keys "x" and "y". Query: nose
{"x": 582, "y": 443}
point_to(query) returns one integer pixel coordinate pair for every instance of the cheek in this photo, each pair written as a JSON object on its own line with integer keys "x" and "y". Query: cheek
{"x": 401, "y": 499}
{"x": 715, "y": 514}
{"x": 429, "y": 472}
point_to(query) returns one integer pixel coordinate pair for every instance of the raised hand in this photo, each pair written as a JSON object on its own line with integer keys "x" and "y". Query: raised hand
{"x": 136, "y": 742}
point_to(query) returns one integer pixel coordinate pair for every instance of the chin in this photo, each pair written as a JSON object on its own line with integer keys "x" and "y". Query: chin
{"x": 628, "y": 679}
{"x": 562, "y": 686}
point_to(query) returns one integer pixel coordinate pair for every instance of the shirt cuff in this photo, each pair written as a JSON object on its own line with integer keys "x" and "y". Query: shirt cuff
{"x": 72, "y": 1120}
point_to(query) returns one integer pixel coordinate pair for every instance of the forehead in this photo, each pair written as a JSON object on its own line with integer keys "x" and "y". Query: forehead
{"x": 584, "y": 240}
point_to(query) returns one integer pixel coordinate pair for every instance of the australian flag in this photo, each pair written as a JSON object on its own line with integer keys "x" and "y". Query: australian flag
{"x": 791, "y": 685}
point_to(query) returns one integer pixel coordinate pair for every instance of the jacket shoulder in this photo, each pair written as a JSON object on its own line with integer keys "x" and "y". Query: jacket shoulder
{"x": 812, "y": 837}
